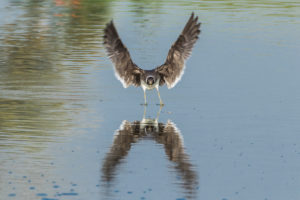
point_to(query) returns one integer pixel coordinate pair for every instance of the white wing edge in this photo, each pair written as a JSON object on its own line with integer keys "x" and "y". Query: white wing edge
{"x": 120, "y": 79}
{"x": 176, "y": 130}
{"x": 178, "y": 78}
{"x": 121, "y": 128}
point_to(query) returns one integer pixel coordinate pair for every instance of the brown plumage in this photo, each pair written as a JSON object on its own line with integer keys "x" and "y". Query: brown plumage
{"x": 169, "y": 73}
{"x": 166, "y": 134}
{"x": 173, "y": 68}
{"x": 127, "y": 72}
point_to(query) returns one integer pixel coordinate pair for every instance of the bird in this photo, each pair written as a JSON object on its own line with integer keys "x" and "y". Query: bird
{"x": 166, "y": 134}
{"x": 169, "y": 73}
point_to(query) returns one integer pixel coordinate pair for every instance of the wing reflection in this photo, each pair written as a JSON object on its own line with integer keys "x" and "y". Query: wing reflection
{"x": 166, "y": 134}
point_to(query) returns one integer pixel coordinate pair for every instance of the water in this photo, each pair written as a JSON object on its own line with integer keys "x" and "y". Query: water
{"x": 229, "y": 129}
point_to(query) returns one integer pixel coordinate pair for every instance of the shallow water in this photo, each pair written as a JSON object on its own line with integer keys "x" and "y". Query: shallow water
{"x": 229, "y": 129}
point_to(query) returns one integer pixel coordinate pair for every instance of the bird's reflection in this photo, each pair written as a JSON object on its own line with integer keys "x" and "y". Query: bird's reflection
{"x": 166, "y": 134}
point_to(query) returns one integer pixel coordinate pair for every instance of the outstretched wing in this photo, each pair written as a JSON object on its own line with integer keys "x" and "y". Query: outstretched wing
{"x": 171, "y": 138}
{"x": 123, "y": 140}
{"x": 125, "y": 70}
{"x": 173, "y": 68}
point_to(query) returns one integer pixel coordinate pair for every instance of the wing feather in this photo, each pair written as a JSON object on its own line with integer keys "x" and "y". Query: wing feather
{"x": 125, "y": 70}
{"x": 173, "y": 68}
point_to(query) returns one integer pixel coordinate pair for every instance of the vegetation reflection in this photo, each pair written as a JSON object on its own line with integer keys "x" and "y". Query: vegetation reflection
{"x": 41, "y": 52}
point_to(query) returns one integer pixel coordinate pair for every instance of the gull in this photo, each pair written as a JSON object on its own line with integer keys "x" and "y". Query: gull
{"x": 169, "y": 73}
{"x": 166, "y": 134}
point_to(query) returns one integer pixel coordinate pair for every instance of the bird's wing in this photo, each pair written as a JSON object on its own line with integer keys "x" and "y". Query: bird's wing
{"x": 173, "y": 68}
{"x": 172, "y": 140}
{"x": 124, "y": 137}
{"x": 125, "y": 70}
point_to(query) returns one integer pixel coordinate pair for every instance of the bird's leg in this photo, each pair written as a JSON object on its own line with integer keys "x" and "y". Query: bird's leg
{"x": 158, "y": 113}
{"x": 145, "y": 98}
{"x": 145, "y": 110}
{"x": 160, "y": 101}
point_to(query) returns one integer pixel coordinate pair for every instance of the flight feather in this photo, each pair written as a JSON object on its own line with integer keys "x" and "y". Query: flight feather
{"x": 125, "y": 69}
{"x": 173, "y": 68}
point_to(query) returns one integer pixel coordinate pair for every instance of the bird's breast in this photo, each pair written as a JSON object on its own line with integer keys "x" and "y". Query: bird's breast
{"x": 145, "y": 86}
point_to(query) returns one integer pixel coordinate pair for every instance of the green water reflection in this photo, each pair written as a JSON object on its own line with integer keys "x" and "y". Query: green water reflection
{"x": 42, "y": 51}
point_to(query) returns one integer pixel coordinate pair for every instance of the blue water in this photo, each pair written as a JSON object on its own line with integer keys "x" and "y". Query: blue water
{"x": 228, "y": 130}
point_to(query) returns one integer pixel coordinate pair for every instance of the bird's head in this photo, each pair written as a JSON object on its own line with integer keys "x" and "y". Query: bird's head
{"x": 150, "y": 80}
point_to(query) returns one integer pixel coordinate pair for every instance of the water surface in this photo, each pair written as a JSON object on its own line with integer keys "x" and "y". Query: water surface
{"x": 229, "y": 129}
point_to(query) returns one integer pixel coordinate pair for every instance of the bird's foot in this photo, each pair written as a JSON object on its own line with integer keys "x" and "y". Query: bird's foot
{"x": 160, "y": 104}
{"x": 144, "y": 104}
